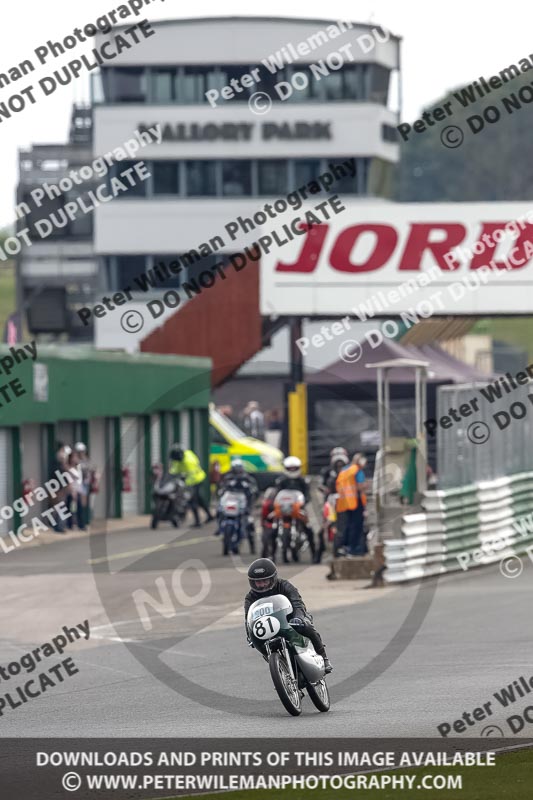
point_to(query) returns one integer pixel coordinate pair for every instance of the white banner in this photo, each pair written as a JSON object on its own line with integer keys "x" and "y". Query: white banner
{"x": 382, "y": 259}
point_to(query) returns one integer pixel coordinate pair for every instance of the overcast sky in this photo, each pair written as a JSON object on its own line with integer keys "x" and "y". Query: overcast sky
{"x": 444, "y": 45}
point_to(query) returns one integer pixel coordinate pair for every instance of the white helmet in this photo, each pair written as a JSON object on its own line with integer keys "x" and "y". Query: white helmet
{"x": 292, "y": 467}
{"x": 341, "y": 458}
{"x": 79, "y": 447}
{"x": 337, "y": 454}
{"x": 237, "y": 466}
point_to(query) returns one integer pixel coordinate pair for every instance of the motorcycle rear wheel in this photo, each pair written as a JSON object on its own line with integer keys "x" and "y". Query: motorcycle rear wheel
{"x": 319, "y": 694}
{"x": 281, "y": 677}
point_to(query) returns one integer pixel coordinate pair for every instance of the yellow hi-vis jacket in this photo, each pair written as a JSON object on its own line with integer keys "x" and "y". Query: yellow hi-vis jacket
{"x": 190, "y": 467}
{"x": 347, "y": 489}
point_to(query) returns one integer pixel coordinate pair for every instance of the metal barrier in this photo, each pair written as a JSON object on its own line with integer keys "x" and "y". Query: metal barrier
{"x": 461, "y": 528}
{"x": 463, "y": 454}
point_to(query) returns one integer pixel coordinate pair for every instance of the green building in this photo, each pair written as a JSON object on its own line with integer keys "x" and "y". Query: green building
{"x": 127, "y": 409}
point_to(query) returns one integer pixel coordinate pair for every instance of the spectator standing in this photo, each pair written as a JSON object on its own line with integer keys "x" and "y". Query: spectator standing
{"x": 74, "y": 491}
{"x": 59, "y": 463}
{"x": 254, "y": 420}
{"x": 85, "y": 485}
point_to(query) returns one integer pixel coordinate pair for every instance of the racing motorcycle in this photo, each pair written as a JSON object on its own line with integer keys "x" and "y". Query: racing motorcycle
{"x": 170, "y": 499}
{"x": 233, "y": 520}
{"x": 289, "y": 518}
{"x": 294, "y": 664}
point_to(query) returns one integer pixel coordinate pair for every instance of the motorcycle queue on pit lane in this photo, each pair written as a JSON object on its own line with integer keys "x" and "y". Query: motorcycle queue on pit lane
{"x": 285, "y": 526}
{"x": 234, "y": 524}
{"x": 294, "y": 664}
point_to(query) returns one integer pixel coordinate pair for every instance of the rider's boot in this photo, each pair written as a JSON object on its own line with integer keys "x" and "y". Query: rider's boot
{"x": 327, "y": 663}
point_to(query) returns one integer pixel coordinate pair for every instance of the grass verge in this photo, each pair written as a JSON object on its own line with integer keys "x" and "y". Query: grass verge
{"x": 511, "y": 778}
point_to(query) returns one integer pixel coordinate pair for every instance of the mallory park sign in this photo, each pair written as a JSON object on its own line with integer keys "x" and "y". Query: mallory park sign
{"x": 241, "y": 131}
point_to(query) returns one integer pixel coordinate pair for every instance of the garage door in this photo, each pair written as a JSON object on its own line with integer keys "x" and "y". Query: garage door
{"x": 97, "y": 459}
{"x": 184, "y": 428}
{"x": 6, "y": 487}
{"x": 155, "y": 439}
{"x": 132, "y": 446}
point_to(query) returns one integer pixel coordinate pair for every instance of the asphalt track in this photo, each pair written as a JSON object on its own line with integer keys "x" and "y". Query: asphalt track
{"x": 406, "y": 659}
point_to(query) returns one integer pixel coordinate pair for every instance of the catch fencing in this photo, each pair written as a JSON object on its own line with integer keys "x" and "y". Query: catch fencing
{"x": 485, "y": 522}
{"x": 476, "y": 448}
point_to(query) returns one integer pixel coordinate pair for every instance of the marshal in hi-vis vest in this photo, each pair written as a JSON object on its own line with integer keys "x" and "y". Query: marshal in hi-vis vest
{"x": 347, "y": 489}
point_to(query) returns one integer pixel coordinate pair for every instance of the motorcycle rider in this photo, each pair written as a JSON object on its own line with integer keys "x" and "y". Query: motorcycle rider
{"x": 338, "y": 459}
{"x": 294, "y": 480}
{"x": 264, "y": 582}
{"x": 185, "y": 462}
{"x": 238, "y": 480}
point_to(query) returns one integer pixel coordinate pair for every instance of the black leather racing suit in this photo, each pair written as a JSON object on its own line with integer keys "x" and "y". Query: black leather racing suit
{"x": 300, "y": 485}
{"x": 328, "y": 478}
{"x": 299, "y": 610}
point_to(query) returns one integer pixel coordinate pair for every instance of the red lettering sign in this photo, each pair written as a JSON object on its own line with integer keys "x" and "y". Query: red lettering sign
{"x": 386, "y": 239}
{"x": 418, "y": 242}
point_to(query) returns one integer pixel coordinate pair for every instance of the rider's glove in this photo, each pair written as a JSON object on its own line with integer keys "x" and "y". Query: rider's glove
{"x": 297, "y": 621}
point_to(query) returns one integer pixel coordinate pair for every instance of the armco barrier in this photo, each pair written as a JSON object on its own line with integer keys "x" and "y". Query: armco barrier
{"x": 492, "y": 519}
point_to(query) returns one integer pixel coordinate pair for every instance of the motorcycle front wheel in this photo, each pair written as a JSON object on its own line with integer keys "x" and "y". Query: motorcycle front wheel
{"x": 319, "y": 694}
{"x": 286, "y": 545}
{"x": 288, "y": 693}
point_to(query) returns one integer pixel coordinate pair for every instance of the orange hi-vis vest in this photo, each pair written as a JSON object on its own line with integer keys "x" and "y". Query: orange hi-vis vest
{"x": 347, "y": 489}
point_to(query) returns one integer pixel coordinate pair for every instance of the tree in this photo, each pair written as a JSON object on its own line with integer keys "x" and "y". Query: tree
{"x": 494, "y": 164}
